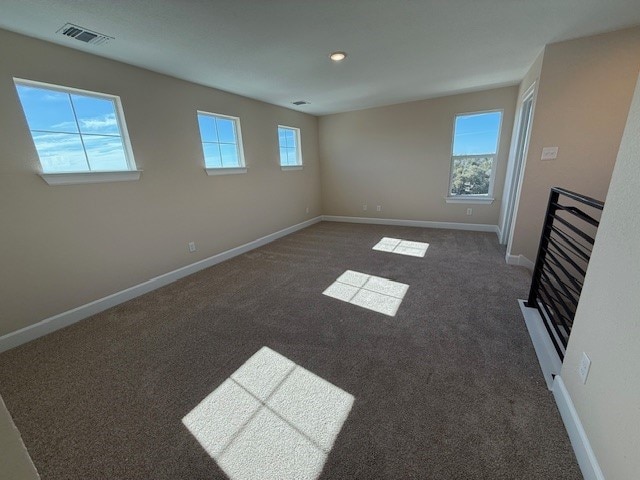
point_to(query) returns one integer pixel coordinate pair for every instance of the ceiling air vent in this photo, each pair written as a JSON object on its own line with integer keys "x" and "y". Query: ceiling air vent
{"x": 300, "y": 102}
{"x": 83, "y": 34}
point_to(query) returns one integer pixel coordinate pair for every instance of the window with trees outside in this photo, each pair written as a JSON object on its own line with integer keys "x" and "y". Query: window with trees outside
{"x": 475, "y": 146}
{"x": 75, "y": 131}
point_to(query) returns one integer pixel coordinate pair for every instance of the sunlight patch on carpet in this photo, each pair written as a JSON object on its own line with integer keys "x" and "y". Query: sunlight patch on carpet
{"x": 367, "y": 291}
{"x": 402, "y": 247}
{"x": 271, "y": 419}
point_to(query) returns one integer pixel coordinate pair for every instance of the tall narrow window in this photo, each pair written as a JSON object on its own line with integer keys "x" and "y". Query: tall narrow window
{"x": 475, "y": 146}
{"x": 75, "y": 131}
{"x": 221, "y": 143}
{"x": 289, "y": 141}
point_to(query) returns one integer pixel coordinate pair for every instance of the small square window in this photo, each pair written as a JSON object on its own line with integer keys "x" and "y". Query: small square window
{"x": 289, "y": 143}
{"x": 74, "y": 131}
{"x": 475, "y": 146}
{"x": 221, "y": 143}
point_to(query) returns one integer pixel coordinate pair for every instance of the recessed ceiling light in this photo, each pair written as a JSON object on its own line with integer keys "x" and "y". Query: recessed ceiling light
{"x": 338, "y": 56}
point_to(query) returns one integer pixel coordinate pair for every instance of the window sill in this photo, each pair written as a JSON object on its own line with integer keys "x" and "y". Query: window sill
{"x": 225, "y": 171}
{"x": 290, "y": 167}
{"x": 77, "y": 178}
{"x": 472, "y": 200}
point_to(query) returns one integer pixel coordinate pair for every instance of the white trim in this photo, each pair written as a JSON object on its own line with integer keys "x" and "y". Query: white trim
{"x": 69, "y": 317}
{"x": 119, "y": 111}
{"x": 519, "y": 260}
{"x": 300, "y": 163}
{"x": 476, "y": 227}
{"x": 516, "y": 207}
{"x": 494, "y": 160}
{"x": 63, "y": 88}
{"x": 224, "y": 170}
{"x": 470, "y": 199}
{"x": 77, "y": 178}
{"x": 579, "y": 441}
{"x": 551, "y": 366}
{"x": 548, "y": 357}
{"x": 516, "y": 163}
{"x": 238, "y": 138}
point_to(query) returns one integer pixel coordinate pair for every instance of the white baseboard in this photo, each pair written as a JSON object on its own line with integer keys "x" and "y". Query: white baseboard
{"x": 69, "y": 317}
{"x": 476, "y": 227}
{"x": 551, "y": 365}
{"x": 579, "y": 440}
{"x": 519, "y": 260}
{"x": 548, "y": 357}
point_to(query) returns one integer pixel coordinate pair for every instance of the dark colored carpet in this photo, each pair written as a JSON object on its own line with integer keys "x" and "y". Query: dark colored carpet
{"x": 450, "y": 388}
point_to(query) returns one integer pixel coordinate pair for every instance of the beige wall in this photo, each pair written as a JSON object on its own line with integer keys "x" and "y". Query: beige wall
{"x": 399, "y": 157}
{"x": 64, "y": 246}
{"x": 582, "y": 103}
{"x": 607, "y": 323}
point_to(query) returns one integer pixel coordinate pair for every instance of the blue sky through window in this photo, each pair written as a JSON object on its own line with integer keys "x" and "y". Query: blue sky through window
{"x": 476, "y": 134}
{"x": 73, "y": 132}
{"x": 287, "y": 139}
{"x": 219, "y": 141}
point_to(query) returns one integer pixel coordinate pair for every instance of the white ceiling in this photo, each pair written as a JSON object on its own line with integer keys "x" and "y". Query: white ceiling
{"x": 276, "y": 50}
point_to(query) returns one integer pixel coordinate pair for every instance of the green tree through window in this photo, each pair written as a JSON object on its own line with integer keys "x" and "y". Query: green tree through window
{"x": 475, "y": 146}
{"x": 471, "y": 175}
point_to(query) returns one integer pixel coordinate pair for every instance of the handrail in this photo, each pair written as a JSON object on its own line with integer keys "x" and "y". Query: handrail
{"x": 592, "y": 202}
{"x": 559, "y": 271}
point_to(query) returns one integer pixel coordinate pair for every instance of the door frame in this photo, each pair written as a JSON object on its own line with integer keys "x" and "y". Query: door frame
{"x": 514, "y": 181}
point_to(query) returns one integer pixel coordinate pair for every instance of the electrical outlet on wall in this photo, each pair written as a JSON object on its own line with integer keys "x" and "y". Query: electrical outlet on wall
{"x": 307, "y": 210}
{"x": 469, "y": 211}
{"x": 192, "y": 247}
{"x": 583, "y": 369}
{"x": 379, "y": 208}
{"x": 364, "y": 207}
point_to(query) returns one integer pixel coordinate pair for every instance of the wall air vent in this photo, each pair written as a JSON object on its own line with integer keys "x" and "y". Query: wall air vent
{"x": 300, "y": 102}
{"x": 83, "y": 34}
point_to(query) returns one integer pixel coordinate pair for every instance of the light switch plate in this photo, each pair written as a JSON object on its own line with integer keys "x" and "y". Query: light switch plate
{"x": 549, "y": 153}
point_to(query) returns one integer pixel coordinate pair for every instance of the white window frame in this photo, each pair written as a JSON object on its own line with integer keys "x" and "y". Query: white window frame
{"x": 479, "y": 198}
{"x": 299, "y": 165}
{"x": 213, "y": 171}
{"x": 92, "y": 176}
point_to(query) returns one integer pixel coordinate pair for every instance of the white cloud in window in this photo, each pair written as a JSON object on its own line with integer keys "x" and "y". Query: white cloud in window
{"x": 99, "y": 123}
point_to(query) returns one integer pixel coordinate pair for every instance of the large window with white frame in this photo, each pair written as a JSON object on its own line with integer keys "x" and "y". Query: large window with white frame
{"x": 289, "y": 142}
{"x": 75, "y": 131}
{"x": 474, "y": 151}
{"x": 221, "y": 143}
